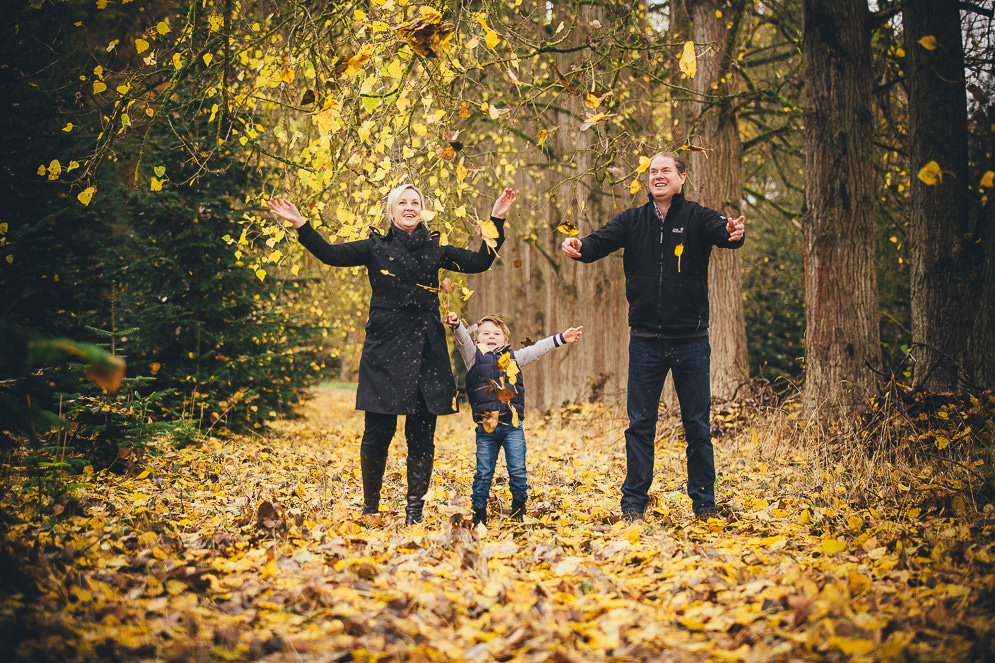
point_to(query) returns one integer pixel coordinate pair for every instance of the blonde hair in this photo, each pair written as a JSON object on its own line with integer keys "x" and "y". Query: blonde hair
{"x": 497, "y": 322}
{"x": 395, "y": 194}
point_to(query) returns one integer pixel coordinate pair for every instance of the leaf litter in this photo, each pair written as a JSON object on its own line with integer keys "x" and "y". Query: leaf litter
{"x": 252, "y": 548}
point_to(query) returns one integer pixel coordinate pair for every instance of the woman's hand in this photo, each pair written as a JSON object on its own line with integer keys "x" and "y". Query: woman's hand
{"x": 285, "y": 209}
{"x": 503, "y": 204}
{"x": 572, "y": 335}
{"x": 452, "y": 319}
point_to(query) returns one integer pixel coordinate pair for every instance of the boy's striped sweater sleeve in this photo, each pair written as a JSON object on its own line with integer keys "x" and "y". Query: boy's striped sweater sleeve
{"x": 532, "y": 352}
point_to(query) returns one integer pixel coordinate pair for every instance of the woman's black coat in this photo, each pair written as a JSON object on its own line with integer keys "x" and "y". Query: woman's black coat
{"x": 405, "y": 350}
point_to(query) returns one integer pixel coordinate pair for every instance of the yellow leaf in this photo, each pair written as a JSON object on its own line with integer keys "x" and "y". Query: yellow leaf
{"x": 162, "y": 27}
{"x": 852, "y": 646}
{"x": 688, "y": 62}
{"x": 73, "y": 165}
{"x": 269, "y": 570}
{"x": 679, "y": 251}
{"x": 160, "y": 171}
{"x": 54, "y": 169}
{"x": 928, "y": 42}
{"x": 644, "y": 163}
{"x": 98, "y": 87}
{"x": 177, "y": 61}
{"x": 69, "y": 127}
{"x": 931, "y": 174}
{"x": 123, "y": 89}
{"x": 141, "y": 45}
{"x": 490, "y": 37}
{"x": 831, "y": 546}
{"x": 427, "y": 215}
{"x": 41, "y": 170}
{"x": 541, "y": 137}
{"x": 635, "y": 186}
{"x": 514, "y": 417}
{"x": 155, "y": 184}
{"x": 86, "y": 195}
{"x": 489, "y": 233}
{"x": 592, "y": 100}
{"x": 466, "y": 292}
{"x": 260, "y": 274}
{"x": 987, "y": 180}
{"x": 207, "y": 59}
{"x": 567, "y": 228}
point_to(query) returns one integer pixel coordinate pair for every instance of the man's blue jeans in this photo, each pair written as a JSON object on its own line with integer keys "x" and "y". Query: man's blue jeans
{"x": 649, "y": 361}
{"x": 512, "y": 438}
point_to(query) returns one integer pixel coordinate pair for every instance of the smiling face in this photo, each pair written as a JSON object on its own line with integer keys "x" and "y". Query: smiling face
{"x": 666, "y": 178}
{"x": 491, "y": 336}
{"x": 405, "y": 212}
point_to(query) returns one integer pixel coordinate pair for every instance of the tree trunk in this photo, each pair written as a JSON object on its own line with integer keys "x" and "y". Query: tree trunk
{"x": 842, "y": 337}
{"x": 938, "y": 219}
{"x": 718, "y": 183}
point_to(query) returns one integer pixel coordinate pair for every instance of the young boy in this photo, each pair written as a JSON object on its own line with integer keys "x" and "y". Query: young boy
{"x": 496, "y": 391}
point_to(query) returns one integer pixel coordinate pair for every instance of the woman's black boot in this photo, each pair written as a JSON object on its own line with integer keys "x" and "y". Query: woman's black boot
{"x": 372, "y": 467}
{"x": 419, "y": 476}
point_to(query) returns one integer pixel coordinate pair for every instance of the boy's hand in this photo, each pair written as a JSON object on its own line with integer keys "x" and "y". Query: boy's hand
{"x": 452, "y": 319}
{"x": 572, "y": 335}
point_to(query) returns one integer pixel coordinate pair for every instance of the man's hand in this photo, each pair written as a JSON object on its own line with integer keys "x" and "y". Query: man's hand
{"x": 503, "y": 204}
{"x": 572, "y": 335}
{"x": 736, "y": 228}
{"x": 452, "y": 319}
{"x": 285, "y": 209}
{"x": 571, "y": 247}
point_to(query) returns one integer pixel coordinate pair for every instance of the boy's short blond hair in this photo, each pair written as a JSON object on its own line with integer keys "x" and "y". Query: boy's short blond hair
{"x": 497, "y": 322}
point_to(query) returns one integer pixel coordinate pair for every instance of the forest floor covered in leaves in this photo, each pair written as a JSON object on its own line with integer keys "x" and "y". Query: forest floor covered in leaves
{"x": 253, "y": 548}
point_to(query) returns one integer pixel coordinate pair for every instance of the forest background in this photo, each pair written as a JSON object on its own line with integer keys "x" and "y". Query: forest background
{"x": 146, "y": 294}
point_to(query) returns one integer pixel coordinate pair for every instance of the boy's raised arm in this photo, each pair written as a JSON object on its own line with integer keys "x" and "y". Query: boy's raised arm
{"x": 532, "y": 352}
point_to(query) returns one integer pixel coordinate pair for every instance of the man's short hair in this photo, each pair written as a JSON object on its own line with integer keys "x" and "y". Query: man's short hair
{"x": 679, "y": 162}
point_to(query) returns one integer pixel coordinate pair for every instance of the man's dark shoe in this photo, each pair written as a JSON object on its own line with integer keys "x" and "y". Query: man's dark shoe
{"x": 518, "y": 510}
{"x": 632, "y": 516}
{"x": 479, "y": 516}
{"x": 706, "y": 512}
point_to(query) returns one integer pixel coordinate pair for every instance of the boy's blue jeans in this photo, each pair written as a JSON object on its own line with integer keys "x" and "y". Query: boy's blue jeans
{"x": 649, "y": 361}
{"x": 512, "y": 438}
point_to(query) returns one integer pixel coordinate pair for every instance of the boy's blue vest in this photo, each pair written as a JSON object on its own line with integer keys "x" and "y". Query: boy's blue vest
{"x": 484, "y": 370}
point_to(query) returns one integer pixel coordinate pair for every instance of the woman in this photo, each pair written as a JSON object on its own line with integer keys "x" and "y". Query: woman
{"x": 404, "y": 367}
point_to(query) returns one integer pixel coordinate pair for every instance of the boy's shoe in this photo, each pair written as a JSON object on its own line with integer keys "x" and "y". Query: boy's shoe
{"x": 518, "y": 510}
{"x": 632, "y": 516}
{"x": 479, "y": 516}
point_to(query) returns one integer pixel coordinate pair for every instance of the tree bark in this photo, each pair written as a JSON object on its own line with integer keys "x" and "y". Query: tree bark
{"x": 842, "y": 336}
{"x": 938, "y": 220}
{"x": 716, "y": 181}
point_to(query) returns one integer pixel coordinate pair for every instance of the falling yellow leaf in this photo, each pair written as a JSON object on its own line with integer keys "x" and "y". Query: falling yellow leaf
{"x": 155, "y": 184}
{"x": 679, "y": 251}
{"x": 931, "y": 174}
{"x": 99, "y": 86}
{"x": 988, "y": 179}
{"x": 567, "y": 228}
{"x": 541, "y": 137}
{"x": 207, "y": 59}
{"x": 141, "y": 45}
{"x": 928, "y": 42}
{"x": 260, "y": 274}
{"x": 489, "y": 233}
{"x": 68, "y": 127}
{"x": 635, "y": 186}
{"x": 644, "y": 163}
{"x": 162, "y": 27}
{"x": 490, "y": 37}
{"x": 688, "y": 62}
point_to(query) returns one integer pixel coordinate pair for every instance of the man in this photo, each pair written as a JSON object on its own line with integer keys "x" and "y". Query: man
{"x": 667, "y": 243}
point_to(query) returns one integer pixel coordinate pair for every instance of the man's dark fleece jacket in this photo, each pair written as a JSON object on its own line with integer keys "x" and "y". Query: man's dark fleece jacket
{"x": 665, "y": 264}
